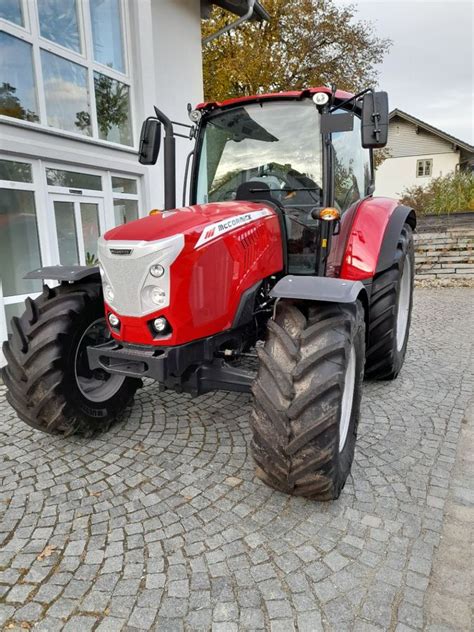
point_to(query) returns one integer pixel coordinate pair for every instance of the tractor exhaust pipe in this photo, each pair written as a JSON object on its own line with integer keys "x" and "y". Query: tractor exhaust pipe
{"x": 169, "y": 160}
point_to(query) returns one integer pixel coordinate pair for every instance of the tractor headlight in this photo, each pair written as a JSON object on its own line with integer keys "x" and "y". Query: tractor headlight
{"x": 195, "y": 116}
{"x": 109, "y": 293}
{"x": 155, "y": 295}
{"x": 160, "y": 324}
{"x": 157, "y": 270}
{"x": 158, "y": 296}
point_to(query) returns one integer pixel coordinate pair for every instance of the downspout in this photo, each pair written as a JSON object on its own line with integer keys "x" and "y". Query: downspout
{"x": 233, "y": 25}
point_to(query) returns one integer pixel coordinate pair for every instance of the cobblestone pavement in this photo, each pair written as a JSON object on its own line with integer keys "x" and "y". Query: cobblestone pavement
{"x": 161, "y": 525}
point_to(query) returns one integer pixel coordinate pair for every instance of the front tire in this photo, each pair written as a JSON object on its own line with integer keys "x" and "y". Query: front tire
{"x": 307, "y": 398}
{"x": 47, "y": 374}
{"x": 390, "y": 312}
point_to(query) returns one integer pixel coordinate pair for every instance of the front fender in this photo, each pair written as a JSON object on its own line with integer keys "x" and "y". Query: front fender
{"x": 372, "y": 238}
{"x": 70, "y": 274}
{"x": 313, "y": 288}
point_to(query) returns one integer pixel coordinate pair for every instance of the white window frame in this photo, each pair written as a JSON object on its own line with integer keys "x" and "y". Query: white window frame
{"x": 425, "y": 162}
{"x": 30, "y": 34}
{"x": 127, "y": 196}
{"x": 21, "y": 186}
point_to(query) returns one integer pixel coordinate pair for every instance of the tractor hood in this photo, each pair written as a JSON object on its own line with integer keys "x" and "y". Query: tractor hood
{"x": 217, "y": 218}
{"x": 190, "y": 266}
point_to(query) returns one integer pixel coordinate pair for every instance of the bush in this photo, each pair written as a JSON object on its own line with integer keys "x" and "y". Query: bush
{"x": 446, "y": 194}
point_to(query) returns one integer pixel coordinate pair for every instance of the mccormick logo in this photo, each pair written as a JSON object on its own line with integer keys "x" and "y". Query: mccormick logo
{"x": 121, "y": 251}
{"x": 220, "y": 228}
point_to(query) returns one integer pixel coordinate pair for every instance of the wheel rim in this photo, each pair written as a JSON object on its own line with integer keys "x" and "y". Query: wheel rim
{"x": 347, "y": 398}
{"x": 97, "y": 385}
{"x": 403, "y": 304}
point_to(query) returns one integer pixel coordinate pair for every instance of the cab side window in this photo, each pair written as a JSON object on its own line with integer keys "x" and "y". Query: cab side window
{"x": 352, "y": 167}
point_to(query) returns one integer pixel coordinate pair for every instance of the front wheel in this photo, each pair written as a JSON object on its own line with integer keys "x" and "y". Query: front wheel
{"x": 307, "y": 398}
{"x": 47, "y": 375}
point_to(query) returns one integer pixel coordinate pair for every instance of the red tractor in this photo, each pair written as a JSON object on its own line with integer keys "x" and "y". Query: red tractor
{"x": 282, "y": 249}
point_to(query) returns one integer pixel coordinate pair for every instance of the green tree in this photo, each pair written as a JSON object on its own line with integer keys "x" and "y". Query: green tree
{"x": 306, "y": 43}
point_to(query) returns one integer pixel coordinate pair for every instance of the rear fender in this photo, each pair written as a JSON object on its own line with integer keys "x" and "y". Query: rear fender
{"x": 372, "y": 239}
{"x": 71, "y": 274}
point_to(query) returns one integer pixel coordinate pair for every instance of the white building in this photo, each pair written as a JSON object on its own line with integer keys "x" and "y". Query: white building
{"x": 418, "y": 153}
{"x": 77, "y": 78}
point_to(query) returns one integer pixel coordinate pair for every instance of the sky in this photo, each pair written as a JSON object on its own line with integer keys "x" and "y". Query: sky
{"x": 429, "y": 70}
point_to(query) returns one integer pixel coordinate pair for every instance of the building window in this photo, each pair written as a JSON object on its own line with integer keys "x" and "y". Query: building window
{"x": 66, "y": 94}
{"x": 59, "y": 23}
{"x": 12, "y": 10}
{"x": 424, "y": 168}
{"x": 17, "y": 84}
{"x": 73, "y": 180}
{"x": 83, "y": 80}
{"x": 113, "y": 109}
{"x": 19, "y": 240}
{"x": 108, "y": 43}
{"x": 14, "y": 171}
{"x": 125, "y": 199}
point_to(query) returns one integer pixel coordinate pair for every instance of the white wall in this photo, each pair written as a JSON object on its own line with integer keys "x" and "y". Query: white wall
{"x": 177, "y": 55}
{"x": 395, "y": 174}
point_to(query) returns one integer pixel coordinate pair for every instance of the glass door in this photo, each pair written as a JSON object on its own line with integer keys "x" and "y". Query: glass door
{"x": 78, "y": 222}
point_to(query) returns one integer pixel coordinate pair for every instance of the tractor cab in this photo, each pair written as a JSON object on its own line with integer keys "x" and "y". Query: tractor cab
{"x": 301, "y": 152}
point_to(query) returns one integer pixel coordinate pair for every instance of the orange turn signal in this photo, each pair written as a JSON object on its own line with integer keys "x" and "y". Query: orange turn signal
{"x": 155, "y": 211}
{"x": 329, "y": 213}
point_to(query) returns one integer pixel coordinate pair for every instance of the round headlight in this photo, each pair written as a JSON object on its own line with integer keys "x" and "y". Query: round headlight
{"x": 160, "y": 324}
{"x": 320, "y": 98}
{"x": 113, "y": 320}
{"x": 195, "y": 116}
{"x": 109, "y": 293}
{"x": 158, "y": 296}
{"x": 157, "y": 270}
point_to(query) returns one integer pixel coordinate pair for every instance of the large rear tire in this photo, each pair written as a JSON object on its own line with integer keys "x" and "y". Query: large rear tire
{"x": 390, "y": 312}
{"x": 307, "y": 398}
{"x": 47, "y": 375}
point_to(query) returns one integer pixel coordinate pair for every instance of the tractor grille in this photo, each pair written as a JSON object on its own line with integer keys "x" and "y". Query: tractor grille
{"x": 128, "y": 276}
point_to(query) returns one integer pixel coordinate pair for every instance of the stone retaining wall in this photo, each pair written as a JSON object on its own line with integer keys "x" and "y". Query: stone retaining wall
{"x": 445, "y": 255}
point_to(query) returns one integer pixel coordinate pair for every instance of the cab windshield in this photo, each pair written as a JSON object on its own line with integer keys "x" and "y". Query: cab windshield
{"x": 274, "y": 145}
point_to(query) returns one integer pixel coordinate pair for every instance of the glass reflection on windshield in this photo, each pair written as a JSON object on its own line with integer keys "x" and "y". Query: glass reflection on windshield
{"x": 274, "y": 145}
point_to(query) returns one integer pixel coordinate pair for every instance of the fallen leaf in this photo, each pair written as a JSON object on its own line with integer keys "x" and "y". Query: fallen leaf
{"x": 233, "y": 481}
{"x": 96, "y": 494}
{"x": 46, "y": 552}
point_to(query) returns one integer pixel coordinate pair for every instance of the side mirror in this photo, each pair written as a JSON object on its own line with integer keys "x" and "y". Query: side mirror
{"x": 374, "y": 128}
{"x": 150, "y": 141}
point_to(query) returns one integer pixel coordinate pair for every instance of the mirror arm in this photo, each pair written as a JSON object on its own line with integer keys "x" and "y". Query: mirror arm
{"x": 182, "y": 124}
{"x": 353, "y": 98}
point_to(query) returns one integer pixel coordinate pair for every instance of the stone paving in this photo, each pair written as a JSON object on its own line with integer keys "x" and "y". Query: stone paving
{"x": 161, "y": 524}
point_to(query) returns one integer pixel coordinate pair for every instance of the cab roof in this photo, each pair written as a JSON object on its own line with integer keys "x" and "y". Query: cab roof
{"x": 341, "y": 95}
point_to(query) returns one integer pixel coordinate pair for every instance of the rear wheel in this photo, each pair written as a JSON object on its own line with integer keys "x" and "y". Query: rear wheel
{"x": 390, "y": 312}
{"x": 47, "y": 375}
{"x": 307, "y": 398}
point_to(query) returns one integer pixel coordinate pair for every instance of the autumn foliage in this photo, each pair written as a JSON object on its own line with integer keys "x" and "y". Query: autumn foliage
{"x": 306, "y": 43}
